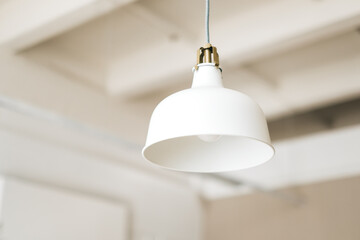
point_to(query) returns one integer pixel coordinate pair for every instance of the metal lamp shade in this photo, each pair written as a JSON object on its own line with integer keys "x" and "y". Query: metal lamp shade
{"x": 208, "y": 109}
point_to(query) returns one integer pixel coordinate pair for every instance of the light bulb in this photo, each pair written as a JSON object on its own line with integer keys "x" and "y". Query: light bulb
{"x": 209, "y": 138}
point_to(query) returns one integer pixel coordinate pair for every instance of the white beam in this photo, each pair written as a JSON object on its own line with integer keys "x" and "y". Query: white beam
{"x": 134, "y": 75}
{"x": 281, "y": 25}
{"x": 25, "y": 23}
{"x": 27, "y": 82}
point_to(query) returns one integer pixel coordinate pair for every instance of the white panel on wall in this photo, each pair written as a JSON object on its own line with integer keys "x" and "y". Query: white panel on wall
{"x": 2, "y": 180}
{"x": 36, "y": 212}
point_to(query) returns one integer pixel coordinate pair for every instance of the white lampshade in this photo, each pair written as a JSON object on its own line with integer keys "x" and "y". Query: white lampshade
{"x": 208, "y": 128}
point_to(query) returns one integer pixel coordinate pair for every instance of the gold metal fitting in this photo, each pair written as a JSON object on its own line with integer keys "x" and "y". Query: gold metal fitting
{"x": 207, "y": 54}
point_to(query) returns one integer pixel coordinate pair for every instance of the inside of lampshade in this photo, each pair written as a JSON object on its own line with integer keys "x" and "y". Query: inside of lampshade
{"x": 191, "y": 154}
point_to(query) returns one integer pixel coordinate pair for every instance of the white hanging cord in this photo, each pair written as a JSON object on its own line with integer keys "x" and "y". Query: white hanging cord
{"x": 207, "y": 10}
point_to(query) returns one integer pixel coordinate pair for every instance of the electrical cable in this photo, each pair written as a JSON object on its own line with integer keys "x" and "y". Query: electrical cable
{"x": 207, "y": 10}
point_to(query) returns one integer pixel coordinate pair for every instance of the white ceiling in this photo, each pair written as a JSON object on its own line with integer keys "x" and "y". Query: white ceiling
{"x": 289, "y": 56}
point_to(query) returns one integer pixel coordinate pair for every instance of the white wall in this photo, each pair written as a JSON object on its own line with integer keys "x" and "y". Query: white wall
{"x": 36, "y": 212}
{"x": 161, "y": 205}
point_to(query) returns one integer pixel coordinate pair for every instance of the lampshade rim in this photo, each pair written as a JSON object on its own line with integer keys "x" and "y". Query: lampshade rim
{"x": 210, "y": 171}
{"x": 212, "y": 133}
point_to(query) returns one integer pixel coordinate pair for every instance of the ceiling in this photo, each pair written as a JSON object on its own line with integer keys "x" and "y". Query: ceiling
{"x": 289, "y": 56}
{"x": 107, "y": 63}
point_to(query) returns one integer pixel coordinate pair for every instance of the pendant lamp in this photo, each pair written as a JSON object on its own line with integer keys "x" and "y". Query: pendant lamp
{"x": 208, "y": 128}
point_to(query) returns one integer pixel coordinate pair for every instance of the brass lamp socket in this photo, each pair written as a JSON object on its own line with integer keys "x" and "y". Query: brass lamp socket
{"x": 207, "y": 54}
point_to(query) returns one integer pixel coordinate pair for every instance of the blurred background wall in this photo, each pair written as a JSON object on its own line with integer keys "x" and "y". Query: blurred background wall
{"x": 327, "y": 211}
{"x": 78, "y": 83}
